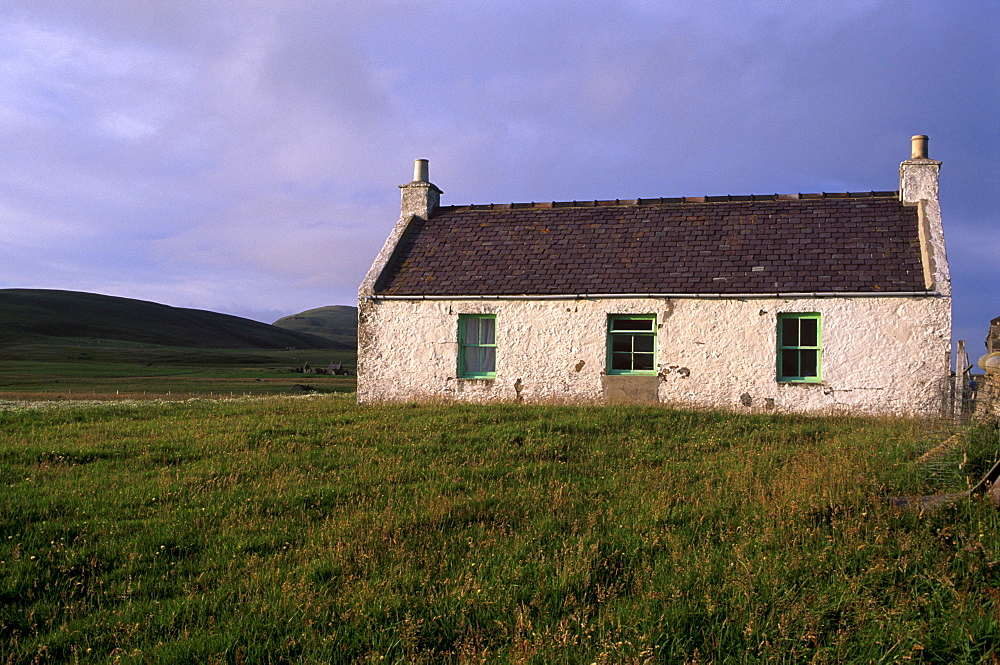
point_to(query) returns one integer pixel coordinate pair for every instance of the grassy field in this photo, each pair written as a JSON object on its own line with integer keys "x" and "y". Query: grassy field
{"x": 311, "y": 529}
{"x": 91, "y": 368}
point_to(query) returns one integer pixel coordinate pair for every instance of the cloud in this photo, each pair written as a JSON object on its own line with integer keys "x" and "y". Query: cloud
{"x": 282, "y": 240}
{"x": 246, "y": 155}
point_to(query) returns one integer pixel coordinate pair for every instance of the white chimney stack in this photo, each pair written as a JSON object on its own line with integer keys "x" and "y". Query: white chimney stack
{"x": 918, "y": 186}
{"x": 918, "y": 176}
{"x": 420, "y": 197}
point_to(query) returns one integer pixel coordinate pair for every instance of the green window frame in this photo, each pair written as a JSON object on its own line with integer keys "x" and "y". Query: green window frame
{"x": 800, "y": 347}
{"x": 631, "y": 344}
{"x": 477, "y": 346}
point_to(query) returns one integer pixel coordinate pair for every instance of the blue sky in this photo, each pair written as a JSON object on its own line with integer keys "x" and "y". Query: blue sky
{"x": 243, "y": 157}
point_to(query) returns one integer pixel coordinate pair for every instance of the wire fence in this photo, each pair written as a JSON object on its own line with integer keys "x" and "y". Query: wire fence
{"x": 972, "y": 397}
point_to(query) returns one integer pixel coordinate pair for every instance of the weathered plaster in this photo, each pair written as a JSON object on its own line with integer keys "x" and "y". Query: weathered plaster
{"x": 631, "y": 389}
{"x": 880, "y": 355}
{"x": 420, "y": 199}
{"x": 918, "y": 185}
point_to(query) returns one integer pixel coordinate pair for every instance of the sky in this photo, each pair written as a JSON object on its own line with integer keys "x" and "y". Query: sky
{"x": 243, "y": 157}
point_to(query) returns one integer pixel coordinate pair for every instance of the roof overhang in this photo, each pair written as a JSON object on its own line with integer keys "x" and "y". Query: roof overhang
{"x": 671, "y": 296}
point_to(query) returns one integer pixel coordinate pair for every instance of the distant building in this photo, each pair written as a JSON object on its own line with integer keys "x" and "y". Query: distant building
{"x": 993, "y": 338}
{"x": 804, "y": 302}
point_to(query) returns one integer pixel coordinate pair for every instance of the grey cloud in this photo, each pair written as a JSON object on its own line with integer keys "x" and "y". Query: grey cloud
{"x": 179, "y": 152}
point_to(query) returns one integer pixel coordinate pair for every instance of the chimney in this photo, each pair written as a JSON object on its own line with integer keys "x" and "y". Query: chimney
{"x": 918, "y": 176}
{"x": 918, "y": 186}
{"x": 420, "y": 197}
{"x": 420, "y": 170}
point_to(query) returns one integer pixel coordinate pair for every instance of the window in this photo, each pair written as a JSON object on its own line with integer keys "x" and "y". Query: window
{"x": 632, "y": 344}
{"x": 799, "y": 347}
{"x": 477, "y": 346}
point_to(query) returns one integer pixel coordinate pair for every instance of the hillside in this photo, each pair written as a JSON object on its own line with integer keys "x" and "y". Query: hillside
{"x": 336, "y": 322}
{"x": 71, "y": 314}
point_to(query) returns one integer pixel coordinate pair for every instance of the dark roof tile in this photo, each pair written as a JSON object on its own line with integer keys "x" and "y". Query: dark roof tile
{"x": 804, "y": 243}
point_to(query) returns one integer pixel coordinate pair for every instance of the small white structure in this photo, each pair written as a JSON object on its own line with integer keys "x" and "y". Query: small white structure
{"x": 805, "y": 302}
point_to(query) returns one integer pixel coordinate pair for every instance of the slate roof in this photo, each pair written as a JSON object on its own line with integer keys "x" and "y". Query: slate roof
{"x": 805, "y": 243}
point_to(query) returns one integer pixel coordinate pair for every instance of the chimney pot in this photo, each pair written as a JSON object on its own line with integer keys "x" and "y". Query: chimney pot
{"x": 918, "y": 146}
{"x": 420, "y": 171}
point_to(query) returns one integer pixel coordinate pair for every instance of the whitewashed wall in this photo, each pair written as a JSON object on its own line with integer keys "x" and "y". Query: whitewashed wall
{"x": 880, "y": 355}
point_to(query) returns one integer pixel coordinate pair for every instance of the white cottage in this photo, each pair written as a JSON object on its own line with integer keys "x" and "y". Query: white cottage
{"x": 802, "y": 302}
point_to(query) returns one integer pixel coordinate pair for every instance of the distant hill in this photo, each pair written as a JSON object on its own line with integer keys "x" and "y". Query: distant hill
{"x": 338, "y": 323}
{"x": 60, "y": 314}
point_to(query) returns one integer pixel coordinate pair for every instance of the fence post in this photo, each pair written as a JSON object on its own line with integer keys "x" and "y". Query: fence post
{"x": 958, "y": 384}
{"x": 966, "y": 403}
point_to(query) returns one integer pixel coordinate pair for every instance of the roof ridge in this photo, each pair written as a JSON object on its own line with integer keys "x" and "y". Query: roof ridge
{"x": 726, "y": 198}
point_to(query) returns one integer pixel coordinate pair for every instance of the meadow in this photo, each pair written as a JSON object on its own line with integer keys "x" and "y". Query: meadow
{"x": 282, "y": 529}
{"x": 85, "y": 368}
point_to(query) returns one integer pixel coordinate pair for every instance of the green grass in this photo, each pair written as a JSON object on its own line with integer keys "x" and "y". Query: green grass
{"x": 87, "y": 368}
{"x": 70, "y": 345}
{"x": 312, "y": 529}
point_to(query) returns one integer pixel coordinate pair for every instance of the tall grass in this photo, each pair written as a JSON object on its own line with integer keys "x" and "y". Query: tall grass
{"x": 316, "y": 530}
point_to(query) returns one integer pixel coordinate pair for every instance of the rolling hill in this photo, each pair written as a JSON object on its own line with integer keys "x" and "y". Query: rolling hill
{"x": 338, "y": 323}
{"x": 43, "y": 313}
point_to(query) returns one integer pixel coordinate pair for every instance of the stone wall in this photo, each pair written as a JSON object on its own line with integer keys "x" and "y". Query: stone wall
{"x": 880, "y": 355}
{"x": 987, "y": 398}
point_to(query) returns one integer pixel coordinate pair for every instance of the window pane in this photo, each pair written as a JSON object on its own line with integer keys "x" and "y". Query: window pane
{"x": 642, "y": 343}
{"x": 807, "y": 363}
{"x": 789, "y": 362}
{"x": 473, "y": 360}
{"x": 789, "y": 332}
{"x": 487, "y": 333}
{"x": 621, "y": 342}
{"x": 477, "y": 339}
{"x": 632, "y": 324}
{"x": 621, "y": 361}
{"x": 489, "y": 359}
{"x": 642, "y": 361}
{"x": 808, "y": 331}
{"x": 470, "y": 332}
{"x": 631, "y": 343}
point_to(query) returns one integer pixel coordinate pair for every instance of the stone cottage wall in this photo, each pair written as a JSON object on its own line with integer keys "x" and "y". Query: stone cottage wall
{"x": 880, "y": 355}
